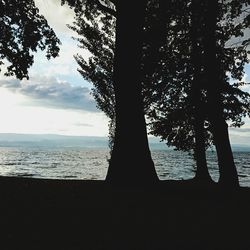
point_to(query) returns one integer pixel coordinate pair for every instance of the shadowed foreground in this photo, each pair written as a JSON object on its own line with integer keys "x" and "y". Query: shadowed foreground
{"x": 52, "y": 214}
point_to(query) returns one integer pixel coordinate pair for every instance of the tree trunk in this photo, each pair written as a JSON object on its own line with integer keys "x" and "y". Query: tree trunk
{"x": 131, "y": 162}
{"x": 227, "y": 169}
{"x": 202, "y": 172}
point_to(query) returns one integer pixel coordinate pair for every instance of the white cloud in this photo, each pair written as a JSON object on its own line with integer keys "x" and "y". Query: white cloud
{"x": 18, "y": 115}
{"x": 57, "y": 16}
{"x": 64, "y": 64}
{"x": 246, "y": 79}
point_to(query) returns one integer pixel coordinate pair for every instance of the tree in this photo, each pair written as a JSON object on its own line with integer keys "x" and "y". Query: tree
{"x": 131, "y": 162}
{"x": 196, "y": 95}
{"x": 176, "y": 107}
{"x": 130, "y": 114}
{"x": 98, "y": 68}
{"x": 22, "y": 31}
{"x": 235, "y": 104}
{"x": 216, "y": 62}
{"x": 174, "y": 89}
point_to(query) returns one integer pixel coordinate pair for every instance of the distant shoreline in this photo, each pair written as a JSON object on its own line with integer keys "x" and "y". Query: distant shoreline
{"x": 54, "y": 140}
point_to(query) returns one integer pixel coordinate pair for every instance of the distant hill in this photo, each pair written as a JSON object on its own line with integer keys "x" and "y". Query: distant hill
{"x": 54, "y": 140}
{"x": 240, "y": 148}
{"x": 40, "y": 137}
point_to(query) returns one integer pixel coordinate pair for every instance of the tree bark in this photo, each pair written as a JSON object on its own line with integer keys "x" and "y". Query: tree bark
{"x": 131, "y": 162}
{"x": 227, "y": 168}
{"x": 202, "y": 172}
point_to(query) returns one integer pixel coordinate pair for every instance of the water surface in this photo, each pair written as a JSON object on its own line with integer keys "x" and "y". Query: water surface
{"x": 92, "y": 163}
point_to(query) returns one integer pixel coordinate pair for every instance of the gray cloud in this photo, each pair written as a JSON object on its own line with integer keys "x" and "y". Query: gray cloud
{"x": 51, "y": 92}
{"x": 12, "y": 84}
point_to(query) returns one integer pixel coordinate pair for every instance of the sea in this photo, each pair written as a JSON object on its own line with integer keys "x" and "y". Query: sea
{"x": 92, "y": 163}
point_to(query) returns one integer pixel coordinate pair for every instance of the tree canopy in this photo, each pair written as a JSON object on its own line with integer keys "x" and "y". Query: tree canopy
{"x": 171, "y": 69}
{"x": 128, "y": 117}
{"x": 167, "y": 66}
{"x": 22, "y": 32}
{"x": 174, "y": 68}
{"x": 232, "y": 60}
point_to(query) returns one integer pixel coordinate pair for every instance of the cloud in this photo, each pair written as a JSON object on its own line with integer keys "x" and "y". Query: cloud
{"x": 81, "y": 124}
{"x": 11, "y": 84}
{"x": 53, "y": 93}
{"x": 57, "y": 16}
{"x": 64, "y": 64}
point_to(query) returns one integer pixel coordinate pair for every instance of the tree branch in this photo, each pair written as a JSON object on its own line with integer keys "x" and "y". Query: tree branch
{"x": 105, "y": 8}
{"x": 113, "y": 1}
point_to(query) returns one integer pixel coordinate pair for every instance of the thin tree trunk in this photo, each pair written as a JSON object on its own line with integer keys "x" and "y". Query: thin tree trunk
{"x": 227, "y": 168}
{"x": 202, "y": 172}
{"x": 131, "y": 162}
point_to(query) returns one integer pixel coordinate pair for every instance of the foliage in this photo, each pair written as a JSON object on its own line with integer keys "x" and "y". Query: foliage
{"x": 22, "y": 31}
{"x": 96, "y": 27}
{"x": 167, "y": 68}
{"x": 172, "y": 107}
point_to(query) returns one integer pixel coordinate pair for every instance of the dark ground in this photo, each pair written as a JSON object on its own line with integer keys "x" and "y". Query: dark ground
{"x": 51, "y": 214}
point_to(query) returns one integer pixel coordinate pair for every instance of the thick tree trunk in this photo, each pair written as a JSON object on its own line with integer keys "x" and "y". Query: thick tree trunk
{"x": 227, "y": 168}
{"x": 202, "y": 172}
{"x": 131, "y": 162}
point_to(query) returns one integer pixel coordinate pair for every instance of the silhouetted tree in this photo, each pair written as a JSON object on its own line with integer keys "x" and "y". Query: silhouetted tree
{"x": 196, "y": 95}
{"x": 130, "y": 161}
{"x": 22, "y": 31}
{"x": 216, "y": 84}
{"x": 156, "y": 35}
{"x": 97, "y": 35}
{"x": 174, "y": 100}
{"x": 197, "y": 111}
{"x": 128, "y": 99}
{"x": 174, "y": 92}
{"x": 235, "y": 102}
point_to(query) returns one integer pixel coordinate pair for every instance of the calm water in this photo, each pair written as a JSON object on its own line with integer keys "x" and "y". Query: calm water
{"x": 82, "y": 163}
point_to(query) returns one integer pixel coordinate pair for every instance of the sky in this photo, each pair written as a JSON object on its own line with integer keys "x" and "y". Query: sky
{"x": 56, "y": 99}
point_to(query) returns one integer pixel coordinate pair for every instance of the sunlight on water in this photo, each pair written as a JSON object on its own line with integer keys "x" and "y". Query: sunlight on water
{"x": 92, "y": 164}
